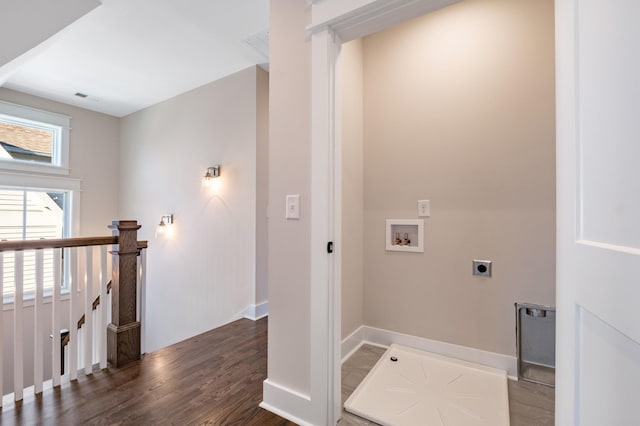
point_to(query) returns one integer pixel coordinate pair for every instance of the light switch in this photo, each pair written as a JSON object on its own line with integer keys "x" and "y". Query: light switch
{"x": 293, "y": 207}
{"x": 424, "y": 208}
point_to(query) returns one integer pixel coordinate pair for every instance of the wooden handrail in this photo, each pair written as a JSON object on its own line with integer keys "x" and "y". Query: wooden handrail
{"x": 62, "y": 243}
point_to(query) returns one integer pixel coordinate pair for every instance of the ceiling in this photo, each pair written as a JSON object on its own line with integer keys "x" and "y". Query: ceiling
{"x": 129, "y": 54}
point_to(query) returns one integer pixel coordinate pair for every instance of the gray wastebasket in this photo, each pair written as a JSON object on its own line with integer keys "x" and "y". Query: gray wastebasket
{"x": 536, "y": 343}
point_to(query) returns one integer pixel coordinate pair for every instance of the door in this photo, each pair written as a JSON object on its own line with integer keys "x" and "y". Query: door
{"x": 598, "y": 293}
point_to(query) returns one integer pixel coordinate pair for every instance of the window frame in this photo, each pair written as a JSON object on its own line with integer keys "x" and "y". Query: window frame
{"x": 71, "y": 186}
{"x": 32, "y": 117}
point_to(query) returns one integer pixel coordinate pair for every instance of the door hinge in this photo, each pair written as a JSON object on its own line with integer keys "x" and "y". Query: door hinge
{"x": 330, "y": 247}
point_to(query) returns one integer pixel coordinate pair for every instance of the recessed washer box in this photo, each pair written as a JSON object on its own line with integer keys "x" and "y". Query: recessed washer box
{"x": 405, "y": 235}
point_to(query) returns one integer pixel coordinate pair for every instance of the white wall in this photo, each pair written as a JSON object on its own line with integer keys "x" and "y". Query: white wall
{"x": 203, "y": 275}
{"x": 352, "y": 187}
{"x": 460, "y": 109}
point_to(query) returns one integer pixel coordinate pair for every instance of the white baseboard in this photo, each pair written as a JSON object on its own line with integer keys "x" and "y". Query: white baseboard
{"x": 286, "y": 403}
{"x": 379, "y": 337}
{"x": 256, "y": 312}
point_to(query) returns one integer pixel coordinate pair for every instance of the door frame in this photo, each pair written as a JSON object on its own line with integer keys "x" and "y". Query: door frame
{"x": 327, "y": 38}
{"x": 566, "y": 208}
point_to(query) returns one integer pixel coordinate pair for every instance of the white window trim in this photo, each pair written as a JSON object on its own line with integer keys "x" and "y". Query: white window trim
{"x": 45, "y": 117}
{"x": 48, "y": 183}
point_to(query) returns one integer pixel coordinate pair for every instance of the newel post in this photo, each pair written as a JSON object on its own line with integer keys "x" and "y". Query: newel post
{"x": 123, "y": 334}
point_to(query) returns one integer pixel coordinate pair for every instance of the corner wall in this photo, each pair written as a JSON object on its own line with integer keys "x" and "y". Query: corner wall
{"x": 201, "y": 275}
{"x": 352, "y": 186}
{"x": 289, "y": 173}
{"x": 262, "y": 185}
{"x": 460, "y": 110}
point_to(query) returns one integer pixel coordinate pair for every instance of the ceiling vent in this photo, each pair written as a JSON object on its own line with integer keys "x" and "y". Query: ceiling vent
{"x": 87, "y": 97}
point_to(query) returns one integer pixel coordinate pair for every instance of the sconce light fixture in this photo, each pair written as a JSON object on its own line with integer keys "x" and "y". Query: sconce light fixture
{"x": 165, "y": 222}
{"x": 212, "y": 173}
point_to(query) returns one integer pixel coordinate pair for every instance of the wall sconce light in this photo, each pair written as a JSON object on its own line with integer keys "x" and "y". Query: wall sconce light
{"x": 212, "y": 173}
{"x": 165, "y": 223}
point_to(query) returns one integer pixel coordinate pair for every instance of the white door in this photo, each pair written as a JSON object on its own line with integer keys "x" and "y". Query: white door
{"x": 598, "y": 293}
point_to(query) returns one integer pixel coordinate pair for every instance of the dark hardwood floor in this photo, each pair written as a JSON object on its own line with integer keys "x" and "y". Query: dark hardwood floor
{"x": 211, "y": 379}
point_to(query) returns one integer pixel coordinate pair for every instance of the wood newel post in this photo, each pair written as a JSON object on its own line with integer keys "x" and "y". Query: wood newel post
{"x": 123, "y": 334}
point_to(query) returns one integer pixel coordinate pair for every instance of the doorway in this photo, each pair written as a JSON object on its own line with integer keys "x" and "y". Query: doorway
{"x": 329, "y": 44}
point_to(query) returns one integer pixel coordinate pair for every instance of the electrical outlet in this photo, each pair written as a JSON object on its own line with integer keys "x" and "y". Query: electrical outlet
{"x": 293, "y": 207}
{"x": 424, "y": 208}
{"x": 482, "y": 268}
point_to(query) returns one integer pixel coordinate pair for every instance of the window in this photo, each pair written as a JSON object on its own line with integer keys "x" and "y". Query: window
{"x": 33, "y": 140}
{"x": 35, "y": 206}
{"x": 31, "y": 214}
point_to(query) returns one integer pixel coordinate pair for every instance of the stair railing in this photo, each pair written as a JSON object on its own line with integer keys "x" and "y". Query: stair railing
{"x": 85, "y": 263}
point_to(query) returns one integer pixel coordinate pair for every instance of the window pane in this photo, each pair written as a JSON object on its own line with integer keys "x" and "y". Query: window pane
{"x": 30, "y": 215}
{"x": 26, "y": 143}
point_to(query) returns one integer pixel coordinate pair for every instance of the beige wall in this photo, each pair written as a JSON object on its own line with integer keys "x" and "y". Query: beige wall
{"x": 262, "y": 184}
{"x": 93, "y": 158}
{"x": 459, "y": 109}
{"x": 203, "y": 275}
{"x": 352, "y": 187}
{"x": 289, "y": 165}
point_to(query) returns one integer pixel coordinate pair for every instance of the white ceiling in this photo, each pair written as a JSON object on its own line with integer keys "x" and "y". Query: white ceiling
{"x": 130, "y": 54}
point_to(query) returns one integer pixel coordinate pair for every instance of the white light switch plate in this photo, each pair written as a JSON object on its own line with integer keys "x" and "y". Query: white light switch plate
{"x": 293, "y": 207}
{"x": 424, "y": 208}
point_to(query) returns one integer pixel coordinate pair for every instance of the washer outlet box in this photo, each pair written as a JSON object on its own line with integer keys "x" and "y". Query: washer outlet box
{"x": 482, "y": 268}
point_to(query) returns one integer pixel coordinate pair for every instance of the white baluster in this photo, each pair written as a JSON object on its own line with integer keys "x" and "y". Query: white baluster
{"x": 74, "y": 283}
{"x": 18, "y": 332}
{"x": 55, "y": 320}
{"x": 88, "y": 316}
{"x": 142, "y": 297}
{"x": 38, "y": 323}
{"x": 104, "y": 304}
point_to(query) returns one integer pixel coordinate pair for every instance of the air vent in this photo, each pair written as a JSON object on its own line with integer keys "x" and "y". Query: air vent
{"x": 87, "y": 97}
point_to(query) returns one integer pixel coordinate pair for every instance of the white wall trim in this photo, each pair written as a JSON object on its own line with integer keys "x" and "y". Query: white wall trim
{"x": 287, "y": 403}
{"x": 370, "y": 17}
{"x": 325, "y": 299}
{"x": 256, "y": 312}
{"x": 379, "y": 337}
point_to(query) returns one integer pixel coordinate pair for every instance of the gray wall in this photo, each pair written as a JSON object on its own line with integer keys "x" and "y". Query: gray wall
{"x": 459, "y": 109}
